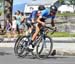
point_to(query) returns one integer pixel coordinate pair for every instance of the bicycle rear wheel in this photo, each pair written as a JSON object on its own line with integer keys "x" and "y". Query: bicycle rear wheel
{"x": 16, "y": 45}
{"x": 21, "y": 46}
{"x": 44, "y": 47}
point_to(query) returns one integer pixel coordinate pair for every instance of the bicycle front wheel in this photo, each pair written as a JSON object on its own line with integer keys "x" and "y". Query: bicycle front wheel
{"x": 44, "y": 47}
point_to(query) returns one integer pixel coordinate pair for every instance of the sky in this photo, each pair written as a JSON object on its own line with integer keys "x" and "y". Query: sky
{"x": 20, "y": 4}
{"x": 15, "y": 2}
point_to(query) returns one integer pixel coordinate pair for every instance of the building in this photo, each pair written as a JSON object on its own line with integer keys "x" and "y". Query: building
{"x": 30, "y": 7}
{"x": 66, "y": 8}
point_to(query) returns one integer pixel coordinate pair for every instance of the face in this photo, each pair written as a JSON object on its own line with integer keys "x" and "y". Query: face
{"x": 52, "y": 13}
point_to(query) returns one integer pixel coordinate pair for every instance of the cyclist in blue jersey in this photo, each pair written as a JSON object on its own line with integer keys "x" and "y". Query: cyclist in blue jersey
{"x": 31, "y": 20}
{"x": 42, "y": 15}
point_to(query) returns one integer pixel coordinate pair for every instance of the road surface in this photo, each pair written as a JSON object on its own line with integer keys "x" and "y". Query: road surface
{"x": 7, "y": 56}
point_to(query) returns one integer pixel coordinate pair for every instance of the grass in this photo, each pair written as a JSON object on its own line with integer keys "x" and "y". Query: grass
{"x": 65, "y": 14}
{"x": 62, "y": 34}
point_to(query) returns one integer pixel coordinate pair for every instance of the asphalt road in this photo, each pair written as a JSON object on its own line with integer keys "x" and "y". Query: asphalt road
{"x": 7, "y": 56}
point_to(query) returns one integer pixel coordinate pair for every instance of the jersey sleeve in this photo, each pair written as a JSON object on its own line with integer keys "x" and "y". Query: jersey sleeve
{"x": 34, "y": 14}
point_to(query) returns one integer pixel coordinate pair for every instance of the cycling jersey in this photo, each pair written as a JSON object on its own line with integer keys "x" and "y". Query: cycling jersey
{"x": 33, "y": 15}
{"x": 46, "y": 14}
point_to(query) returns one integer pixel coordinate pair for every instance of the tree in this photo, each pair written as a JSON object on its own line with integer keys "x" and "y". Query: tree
{"x": 61, "y": 1}
{"x": 72, "y": 2}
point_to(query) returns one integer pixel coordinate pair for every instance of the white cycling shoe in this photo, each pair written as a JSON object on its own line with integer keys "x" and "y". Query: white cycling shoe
{"x": 30, "y": 47}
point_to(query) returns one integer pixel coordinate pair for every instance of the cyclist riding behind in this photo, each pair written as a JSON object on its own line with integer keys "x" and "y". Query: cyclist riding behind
{"x": 31, "y": 20}
{"x": 42, "y": 15}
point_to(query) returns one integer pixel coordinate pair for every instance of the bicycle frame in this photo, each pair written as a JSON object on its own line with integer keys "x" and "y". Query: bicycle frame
{"x": 42, "y": 34}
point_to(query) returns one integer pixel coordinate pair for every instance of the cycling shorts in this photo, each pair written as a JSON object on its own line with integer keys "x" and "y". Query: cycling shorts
{"x": 29, "y": 24}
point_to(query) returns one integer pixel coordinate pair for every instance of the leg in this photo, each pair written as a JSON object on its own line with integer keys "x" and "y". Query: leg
{"x": 29, "y": 27}
{"x": 29, "y": 30}
{"x": 34, "y": 36}
{"x": 36, "y": 32}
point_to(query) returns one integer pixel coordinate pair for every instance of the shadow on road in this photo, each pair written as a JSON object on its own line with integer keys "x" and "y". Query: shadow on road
{"x": 50, "y": 57}
{"x": 5, "y": 53}
{"x": 56, "y": 57}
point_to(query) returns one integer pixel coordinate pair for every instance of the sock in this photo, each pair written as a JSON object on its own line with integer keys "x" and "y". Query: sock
{"x": 31, "y": 42}
{"x": 33, "y": 45}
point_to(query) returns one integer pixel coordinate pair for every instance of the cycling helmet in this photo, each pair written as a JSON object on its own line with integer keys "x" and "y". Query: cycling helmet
{"x": 53, "y": 8}
{"x": 41, "y": 7}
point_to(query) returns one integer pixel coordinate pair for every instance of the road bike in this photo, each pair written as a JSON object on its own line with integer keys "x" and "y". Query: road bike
{"x": 43, "y": 44}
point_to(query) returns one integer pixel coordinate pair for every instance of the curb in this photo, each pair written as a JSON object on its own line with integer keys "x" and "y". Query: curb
{"x": 67, "y": 49}
{"x": 64, "y": 49}
{"x": 64, "y": 39}
{"x": 55, "y": 39}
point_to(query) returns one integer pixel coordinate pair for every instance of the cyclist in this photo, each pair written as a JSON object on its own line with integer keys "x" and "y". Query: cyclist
{"x": 42, "y": 15}
{"x": 31, "y": 20}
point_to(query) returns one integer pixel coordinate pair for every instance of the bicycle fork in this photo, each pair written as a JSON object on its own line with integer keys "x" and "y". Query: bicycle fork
{"x": 43, "y": 40}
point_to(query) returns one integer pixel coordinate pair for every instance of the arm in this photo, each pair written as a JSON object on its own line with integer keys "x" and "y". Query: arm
{"x": 33, "y": 16}
{"x": 39, "y": 21}
{"x": 22, "y": 19}
{"x": 52, "y": 22}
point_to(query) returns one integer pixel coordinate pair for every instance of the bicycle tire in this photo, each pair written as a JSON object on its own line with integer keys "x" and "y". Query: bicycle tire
{"x": 23, "y": 49}
{"x": 42, "y": 48}
{"x": 26, "y": 51}
{"x": 15, "y": 46}
{"x": 34, "y": 53}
